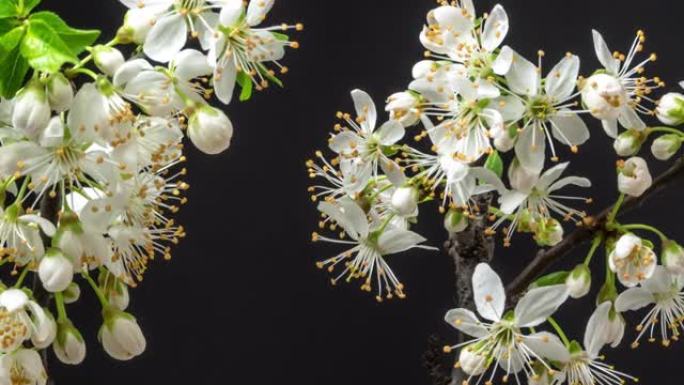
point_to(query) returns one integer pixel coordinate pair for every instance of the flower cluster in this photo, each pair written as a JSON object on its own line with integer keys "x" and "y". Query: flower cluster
{"x": 488, "y": 123}
{"x": 91, "y": 159}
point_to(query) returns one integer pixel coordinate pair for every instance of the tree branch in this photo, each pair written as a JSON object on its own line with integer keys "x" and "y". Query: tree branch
{"x": 584, "y": 234}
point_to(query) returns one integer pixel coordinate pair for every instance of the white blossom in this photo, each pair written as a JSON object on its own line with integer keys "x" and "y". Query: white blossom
{"x": 632, "y": 260}
{"x": 634, "y": 178}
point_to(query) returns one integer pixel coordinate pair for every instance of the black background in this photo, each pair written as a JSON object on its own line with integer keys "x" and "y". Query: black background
{"x": 242, "y": 302}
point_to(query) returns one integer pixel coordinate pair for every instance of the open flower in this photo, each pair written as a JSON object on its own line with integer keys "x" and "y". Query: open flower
{"x": 586, "y": 367}
{"x": 23, "y": 366}
{"x": 663, "y": 290}
{"x": 21, "y": 319}
{"x": 534, "y": 199}
{"x": 20, "y": 238}
{"x": 362, "y": 143}
{"x": 542, "y": 109}
{"x": 370, "y": 244}
{"x": 501, "y": 341}
{"x": 632, "y": 261}
{"x": 238, "y": 48}
{"x": 617, "y": 93}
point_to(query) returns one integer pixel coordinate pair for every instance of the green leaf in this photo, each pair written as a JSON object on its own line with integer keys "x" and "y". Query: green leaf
{"x": 7, "y": 25}
{"x": 246, "y": 84}
{"x": 13, "y": 66}
{"x": 8, "y": 8}
{"x": 556, "y": 278}
{"x": 29, "y": 5}
{"x": 44, "y": 49}
{"x": 76, "y": 39}
{"x": 280, "y": 36}
{"x": 495, "y": 163}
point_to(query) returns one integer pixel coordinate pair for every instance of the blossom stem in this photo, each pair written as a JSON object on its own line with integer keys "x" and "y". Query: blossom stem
{"x": 669, "y": 130}
{"x": 84, "y": 71}
{"x": 639, "y": 226}
{"x": 616, "y": 209}
{"x": 73, "y": 71}
{"x": 61, "y": 309}
{"x": 96, "y": 289}
{"x": 559, "y": 330}
{"x": 21, "y": 278}
{"x": 598, "y": 239}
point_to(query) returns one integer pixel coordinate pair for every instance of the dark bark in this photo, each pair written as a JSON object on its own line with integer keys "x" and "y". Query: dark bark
{"x": 585, "y": 233}
{"x": 467, "y": 249}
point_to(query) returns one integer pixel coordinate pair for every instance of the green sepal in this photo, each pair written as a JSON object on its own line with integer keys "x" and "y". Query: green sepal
{"x": 495, "y": 164}
{"x": 246, "y": 85}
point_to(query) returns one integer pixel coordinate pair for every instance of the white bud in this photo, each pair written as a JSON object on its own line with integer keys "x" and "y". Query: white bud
{"x": 666, "y": 146}
{"x": 673, "y": 257}
{"x": 670, "y": 109}
{"x": 45, "y": 331}
{"x": 628, "y": 143}
{"x": 604, "y": 96}
{"x": 121, "y": 335}
{"x": 210, "y": 130}
{"x": 118, "y": 295}
{"x": 108, "y": 59}
{"x": 60, "y": 92}
{"x": 69, "y": 347}
{"x": 471, "y": 363}
{"x": 137, "y": 24}
{"x": 634, "y": 178}
{"x": 405, "y": 201}
{"x": 521, "y": 179}
{"x": 31, "y": 110}
{"x": 55, "y": 271}
{"x": 403, "y": 107}
{"x": 579, "y": 281}
{"x": 455, "y": 221}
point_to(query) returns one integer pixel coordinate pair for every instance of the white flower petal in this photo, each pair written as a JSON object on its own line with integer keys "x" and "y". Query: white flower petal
{"x": 45, "y": 225}
{"x": 488, "y": 292}
{"x": 511, "y": 200}
{"x": 569, "y": 129}
{"x": 231, "y": 12}
{"x": 224, "y": 81}
{"x": 465, "y": 321}
{"x": 570, "y": 180}
{"x": 495, "y": 28}
{"x": 530, "y": 149}
{"x": 129, "y": 71}
{"x": 391, "y": 132}
{"x": 562, "y": 79}
{"x": 634, "y": 299}
{"x": 551, "y": 175}
{"x": 393, "y": 241}
{"x": 257, "y": 11}
{"x": 166, "y": 38}
{"x": 604, "y": 54}
{"x": 630, "y": 120}
{"x": 596, "y": 334}
{"x": 523, "y": 76}
{"x": 610, "y": 126}
{"x": 547, "y": 345}
{"x": 191, "y": 64}
{"x": 504, "y": 60}
{"x": 365, "y": 110}
{"x": 393, "y": 171}
{"x": 539, "y": 304}
{"x": 13, "y": 299}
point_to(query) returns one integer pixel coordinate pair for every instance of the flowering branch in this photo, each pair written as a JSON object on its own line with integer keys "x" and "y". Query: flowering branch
{"x": 592, "y": 225}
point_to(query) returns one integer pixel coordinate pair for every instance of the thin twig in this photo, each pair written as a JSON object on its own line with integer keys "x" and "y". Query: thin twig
{"x": 585, "y": 233}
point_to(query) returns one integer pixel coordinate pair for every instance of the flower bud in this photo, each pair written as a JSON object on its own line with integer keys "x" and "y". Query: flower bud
{"x": 521, "y": 179}
{"x": 629, "y": 142}
{"x": 137, "y": 24}
{"x": 210, "y": 130}
{"x": 69, "y": 347}
{"x": 403, "y": 107}
{"x": 666, "y": 146}
{"x": 405, "y": 201}
{"x": 31, "y": 110}
{"x": 60, "y": 92}
{"x": 108, "y": 59}
{"x": 121, "y": 335}
{"x": 455, "y": 221}
{"x": 118, "y": 296}
{"x": 72, "y": 293}
{"x": 55, "y": 271}
{"x": 472, "y": 364}
{"x": 604, "y": 96}
{"x": 548, "y": 232}
{"x": 634, "y": 178}
{"x": 579, "y": 281}
{"x": 670, "y": 109}
{"x": 673, "y": 257}
{"x": 46, "y": 330}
